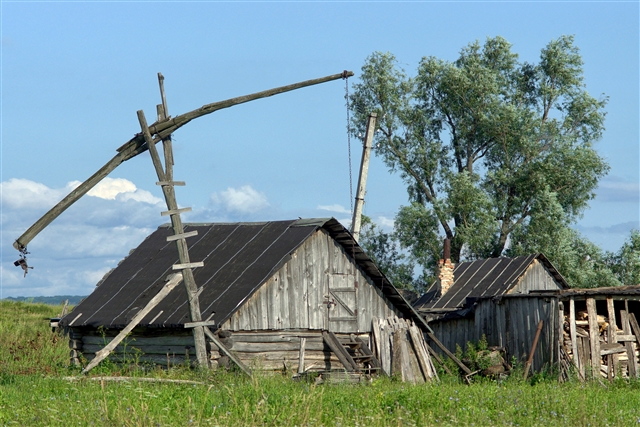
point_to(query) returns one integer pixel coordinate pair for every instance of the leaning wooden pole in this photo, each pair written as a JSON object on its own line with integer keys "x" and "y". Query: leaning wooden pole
{"x": 102, "y": 354}
{"x": 180, "y": 238}
{"x": 137, "y": 145}
{"x": 362, "y": 177}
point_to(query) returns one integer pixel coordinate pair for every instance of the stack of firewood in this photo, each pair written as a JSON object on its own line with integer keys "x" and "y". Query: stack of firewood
{"x": 595, "y": 345}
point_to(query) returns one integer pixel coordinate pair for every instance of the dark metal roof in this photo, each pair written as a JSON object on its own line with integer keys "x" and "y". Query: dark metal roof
{"x": 491, "y": 277}
{"x": 238, "y": 259}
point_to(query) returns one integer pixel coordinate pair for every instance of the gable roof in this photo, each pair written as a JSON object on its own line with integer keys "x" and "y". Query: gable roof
{"x": 238, "y": 259}
{"x": 482, "y": 278}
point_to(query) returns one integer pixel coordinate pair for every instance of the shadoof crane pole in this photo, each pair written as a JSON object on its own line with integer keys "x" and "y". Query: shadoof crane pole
{"x": 362, "y": 177}
{"x": 146, "y": 139}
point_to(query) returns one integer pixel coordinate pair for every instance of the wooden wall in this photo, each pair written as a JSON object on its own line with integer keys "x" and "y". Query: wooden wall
{"x": 510, "y": 323}
{"x": 296, "y": 296}
{"x": 536, "y": 277}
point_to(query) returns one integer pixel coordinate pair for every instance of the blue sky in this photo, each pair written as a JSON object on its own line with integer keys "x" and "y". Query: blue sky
{"x": 74, "y": 74}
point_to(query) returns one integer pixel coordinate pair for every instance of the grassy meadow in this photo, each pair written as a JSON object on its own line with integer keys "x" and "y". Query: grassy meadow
{"x": 36, "y": 390}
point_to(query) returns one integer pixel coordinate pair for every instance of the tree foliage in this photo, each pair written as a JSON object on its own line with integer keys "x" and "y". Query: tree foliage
{"x": 492, "y": 150}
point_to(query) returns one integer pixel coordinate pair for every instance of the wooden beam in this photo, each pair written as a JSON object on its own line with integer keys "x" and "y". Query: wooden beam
{"x": 166, "y": 289}
{"x": 527, "y": 365}
{"x": 175, "y": 211}
{"x": 182, "y": 236}
{"x": 335, "y": 346}
{"x": 170, "y": 183}
{"x": 614, "y": 360}
{"x": 203, "y": 323}
{"x": 362, "y": 177}
{"x": 446, "y": 351}
{"x": 181, "y": 244}
{"x": 572, "y": 332}
{"x": 594, "y": 337}
{"x": 303, "y": 343}
{"x": 188, "y": 265}
{"x": 227, "y": 352}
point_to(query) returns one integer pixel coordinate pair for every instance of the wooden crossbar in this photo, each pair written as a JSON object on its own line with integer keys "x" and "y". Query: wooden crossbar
{"x": 175, "y": 211}
{"x": 182, "y": 236}
{"x": 188, "y": 265}
{"x": 171, "y": 183}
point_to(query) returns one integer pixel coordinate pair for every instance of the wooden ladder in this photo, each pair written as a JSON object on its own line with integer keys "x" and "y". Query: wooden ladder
{"x": 165, "y": 180}
{"x": 353, "y": 353}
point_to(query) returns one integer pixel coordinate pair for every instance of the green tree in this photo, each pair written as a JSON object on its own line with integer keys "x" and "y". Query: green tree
{"x": 489, "y": 147}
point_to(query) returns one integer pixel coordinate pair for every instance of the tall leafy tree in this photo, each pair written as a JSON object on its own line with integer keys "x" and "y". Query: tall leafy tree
{"x": 492, "y": 150}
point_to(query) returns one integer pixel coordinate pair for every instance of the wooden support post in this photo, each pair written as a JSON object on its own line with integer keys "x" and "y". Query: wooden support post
{"x": 632, "y": 361}
{"x": 183, "y": 252}
{"x": 227, "y": 352}
{"x": 102, "y": 354}
{"x": 573, "y": 333}
{"x": 613, "y": 359}
{"x": 303, "y": 342}
{"x": 362, "y": 177}
{"x": 594, "y": 337}
{"x": 527, "y": 365}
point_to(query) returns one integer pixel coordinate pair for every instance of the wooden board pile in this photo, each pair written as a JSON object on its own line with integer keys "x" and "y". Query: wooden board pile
{"x": 595, "y": 346}
{"x": 402, "y": 351}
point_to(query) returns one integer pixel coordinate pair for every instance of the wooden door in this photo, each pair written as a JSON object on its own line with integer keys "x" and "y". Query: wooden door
{"x": 342, "y": 303}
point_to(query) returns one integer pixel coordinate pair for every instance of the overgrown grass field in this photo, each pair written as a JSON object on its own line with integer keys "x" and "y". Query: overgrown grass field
{"x": 35, "y": 390}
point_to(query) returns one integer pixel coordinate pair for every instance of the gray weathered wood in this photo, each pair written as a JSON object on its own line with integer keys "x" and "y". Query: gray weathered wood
{"x": 175, "y": 211}
{"x": 632, "y": 362}
{"x": 614, "y": 359}
{"x": 188, "y": 265}
{"x": 362, "y": 177}
{"x": 182, "y": 236}
{"x": 594, "y": 334}
{"x": 333, "y": 343}
{"x": 183, "y": 252}
{"x": 174, "y": 183}
{"x": 573, "y": 333}
{"x": 227, "y": 352}
{"x": 303, "y": 342}
{"x": 424, "y": 360}
{"x": 203, "y": 323}
{"x": 102, "y": 354}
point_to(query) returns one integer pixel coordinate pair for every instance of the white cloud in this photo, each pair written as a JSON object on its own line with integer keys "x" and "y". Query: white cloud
{"x": 334, "y": 208}
{"x": 20, "y": 193}
{"x": 242, "y": 200}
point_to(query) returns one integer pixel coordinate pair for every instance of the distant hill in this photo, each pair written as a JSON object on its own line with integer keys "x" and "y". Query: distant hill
{"x": 55, "y": 300}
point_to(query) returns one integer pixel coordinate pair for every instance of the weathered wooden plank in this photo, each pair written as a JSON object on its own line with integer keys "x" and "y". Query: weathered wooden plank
{"x": 332, "y": 341}
{"x": 227, "y": 352}
{"x": 632, "y": 363}
{"x": 594, "y": 334}
{"x": 260, "y": 347}
{"x": 135, "y": 349}
{"x": 613, "y": 359}
{"x": 614, "y": 349}
{"x": 573, "y": 334}
{"x": 182, "y": 236}
{"x": 171, "y": 183}
{"x": 422, "y": 356}
{"x": 303, "y": 342}
{"x": 189, "y": 325}
{"x": 187, "y": 265}
{"x": 175, "y": 211}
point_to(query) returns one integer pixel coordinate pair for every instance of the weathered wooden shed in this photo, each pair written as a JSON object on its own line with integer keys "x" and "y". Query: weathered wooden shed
{"x": 273, "y": 289}
{"x": 497, "y": 298}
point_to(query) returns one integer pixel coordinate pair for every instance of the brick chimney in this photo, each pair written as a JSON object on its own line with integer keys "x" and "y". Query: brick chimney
{"x": 445, "y": 269}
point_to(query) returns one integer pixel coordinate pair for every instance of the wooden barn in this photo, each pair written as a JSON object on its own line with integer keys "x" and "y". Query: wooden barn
{"x": 496, "y": 297}
{"x": 282, "y": 295}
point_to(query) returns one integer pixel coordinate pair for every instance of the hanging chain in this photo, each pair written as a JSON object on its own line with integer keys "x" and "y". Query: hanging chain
{"x": 346, "y": 97}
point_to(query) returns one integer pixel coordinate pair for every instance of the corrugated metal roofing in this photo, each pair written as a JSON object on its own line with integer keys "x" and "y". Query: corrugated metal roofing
{"x": 483, "y": 278}
{"x": 238, "y": 258}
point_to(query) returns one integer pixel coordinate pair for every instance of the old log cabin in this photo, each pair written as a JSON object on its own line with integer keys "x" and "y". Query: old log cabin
{"x": 273, "y": 289}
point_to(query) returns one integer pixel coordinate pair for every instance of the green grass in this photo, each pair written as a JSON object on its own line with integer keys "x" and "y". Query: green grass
{"x": 39, "y": 395}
